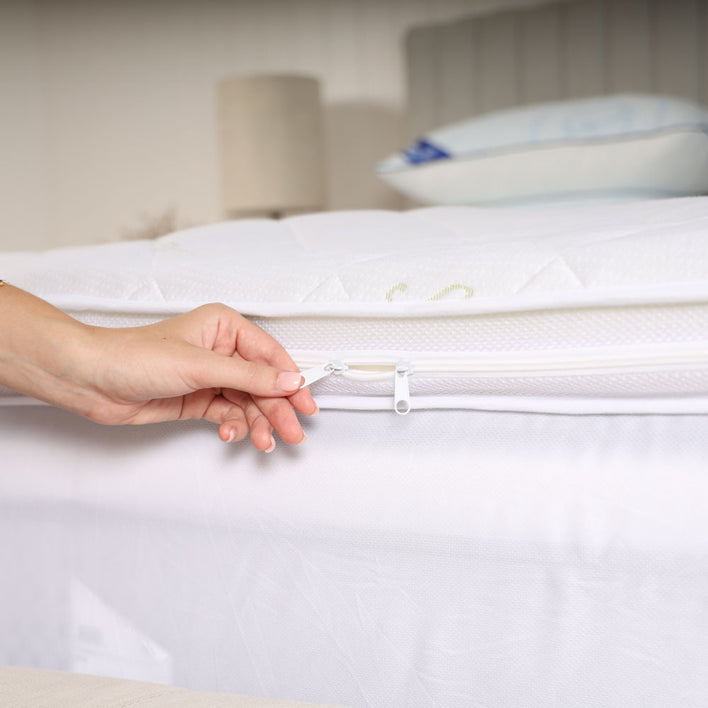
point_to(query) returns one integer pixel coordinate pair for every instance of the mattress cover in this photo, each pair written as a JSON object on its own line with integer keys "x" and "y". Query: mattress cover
{"x": 575, "y": 309}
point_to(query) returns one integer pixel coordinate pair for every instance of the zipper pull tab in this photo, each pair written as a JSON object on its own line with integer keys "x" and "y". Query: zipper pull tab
{"x": 322, "y": 371}
{"x": 401, "y": 393}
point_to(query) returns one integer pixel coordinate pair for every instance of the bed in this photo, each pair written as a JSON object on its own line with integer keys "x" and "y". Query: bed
{"x": 502, "y": 501}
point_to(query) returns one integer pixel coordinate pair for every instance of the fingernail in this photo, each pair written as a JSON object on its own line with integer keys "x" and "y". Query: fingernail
{"x": 316, "y": 411}
{"x": 290, "y": 380}
{"x": 232, "y": 436}
{"x": 304, "y": 437}
{"x": 270, "y": 447}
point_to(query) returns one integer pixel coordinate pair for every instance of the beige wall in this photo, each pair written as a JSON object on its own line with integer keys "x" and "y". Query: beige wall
{"x": 108, "y": 117}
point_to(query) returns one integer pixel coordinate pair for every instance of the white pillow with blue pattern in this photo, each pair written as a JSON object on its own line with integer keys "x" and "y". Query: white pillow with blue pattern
{"x": 609, "y": 148}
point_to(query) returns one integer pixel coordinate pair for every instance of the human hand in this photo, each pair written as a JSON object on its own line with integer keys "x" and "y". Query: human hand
{"x": 209, "y": 363}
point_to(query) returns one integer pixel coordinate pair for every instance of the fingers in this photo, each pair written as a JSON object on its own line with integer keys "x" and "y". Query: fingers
{"x": 232, "y": 430}
{"x": 215, "y": 347}
{"x": 261, "y": 429}
{"x": 304, "y": 402}
{"x": 254, "y": 344}
{"x": 207, "y": 369}
{"x": 282, "y": 417}
{"x": 254, "y": 377}
{"x": 276, "y": 412}
{"x": 237, "y": 413}
{"x": 266, "y": 369}
{"x": 234, "y": 426}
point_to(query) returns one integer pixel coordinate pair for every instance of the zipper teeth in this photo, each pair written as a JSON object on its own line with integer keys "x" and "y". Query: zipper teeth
{"x": 370, "y": 368}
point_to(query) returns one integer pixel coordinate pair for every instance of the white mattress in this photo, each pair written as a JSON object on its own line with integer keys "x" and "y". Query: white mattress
{"x": 483, "y": 550}
{"x": 574, "y": 310}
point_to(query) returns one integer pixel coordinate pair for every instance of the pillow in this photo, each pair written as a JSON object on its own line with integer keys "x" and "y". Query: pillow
{"x": 619, "y": 147}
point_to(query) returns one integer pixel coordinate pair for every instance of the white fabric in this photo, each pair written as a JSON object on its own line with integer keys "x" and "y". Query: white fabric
{"x": 347, "y": 263}
{"x": 617, "y": 147}
{"x": 447, "y": 558}
{"x": 441, "y": 559}
{"x": 523, "y": 288}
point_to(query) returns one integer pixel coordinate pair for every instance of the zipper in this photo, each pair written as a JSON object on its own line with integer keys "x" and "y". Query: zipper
{"x": 321, "y": 371}
{"x": 384, "y": 366}
{"x": 401, "y": 391}
{"x": 401, "y": 371}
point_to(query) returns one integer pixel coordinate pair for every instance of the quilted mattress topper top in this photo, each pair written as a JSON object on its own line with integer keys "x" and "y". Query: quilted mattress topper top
{"x": 432, "y": 261}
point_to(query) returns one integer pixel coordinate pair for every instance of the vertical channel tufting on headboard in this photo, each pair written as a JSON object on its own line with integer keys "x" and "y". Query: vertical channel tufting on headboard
{"x": 566, "y": 49}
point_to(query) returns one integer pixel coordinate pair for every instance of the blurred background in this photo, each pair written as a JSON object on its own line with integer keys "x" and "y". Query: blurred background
{"x": 109, "y": 109}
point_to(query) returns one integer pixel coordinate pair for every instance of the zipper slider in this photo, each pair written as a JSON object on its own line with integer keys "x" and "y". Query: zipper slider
{"x": 322, "y": 371}
{"x": 401, "y": 392}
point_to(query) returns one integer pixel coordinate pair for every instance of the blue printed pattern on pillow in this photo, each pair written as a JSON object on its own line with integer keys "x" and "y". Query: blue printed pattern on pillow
{"x": 424, "y": 151}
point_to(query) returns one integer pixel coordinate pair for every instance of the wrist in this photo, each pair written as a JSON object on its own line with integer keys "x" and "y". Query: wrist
{"x": 43, "y": 350}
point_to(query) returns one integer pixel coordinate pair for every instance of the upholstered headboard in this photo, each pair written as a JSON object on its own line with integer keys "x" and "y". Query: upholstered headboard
{"x": 566, "y": 49}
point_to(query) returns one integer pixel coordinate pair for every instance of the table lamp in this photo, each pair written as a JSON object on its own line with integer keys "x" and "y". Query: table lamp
{"x": 271, "y": 132}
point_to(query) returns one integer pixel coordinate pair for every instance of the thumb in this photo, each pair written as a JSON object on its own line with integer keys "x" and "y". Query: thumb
{"x": 212, "y": 370}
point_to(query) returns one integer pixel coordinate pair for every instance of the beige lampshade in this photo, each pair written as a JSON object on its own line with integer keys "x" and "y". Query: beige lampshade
{"x": 271, "y": 144}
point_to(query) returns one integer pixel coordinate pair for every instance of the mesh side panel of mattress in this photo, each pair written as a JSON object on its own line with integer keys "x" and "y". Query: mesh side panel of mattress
{"x": 512, "y": 331}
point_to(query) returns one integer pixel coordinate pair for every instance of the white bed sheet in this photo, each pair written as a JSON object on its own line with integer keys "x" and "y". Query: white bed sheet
{"x": 447, "y": 558}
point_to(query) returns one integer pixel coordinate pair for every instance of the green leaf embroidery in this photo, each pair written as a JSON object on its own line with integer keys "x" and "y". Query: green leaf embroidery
{"x": 402, "y": 287}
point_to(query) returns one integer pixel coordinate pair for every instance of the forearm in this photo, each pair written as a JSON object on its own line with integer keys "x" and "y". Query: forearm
{"x": 41, "y": 349}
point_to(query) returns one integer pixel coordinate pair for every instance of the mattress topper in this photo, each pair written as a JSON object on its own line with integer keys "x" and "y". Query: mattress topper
{"x": 460, "y": 290}
{"x": 432, "y": 260}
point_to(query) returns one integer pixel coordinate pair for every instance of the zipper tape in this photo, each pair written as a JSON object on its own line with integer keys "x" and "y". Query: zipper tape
{"x": 381, "y": 367}
{"x": 543, "y": 405}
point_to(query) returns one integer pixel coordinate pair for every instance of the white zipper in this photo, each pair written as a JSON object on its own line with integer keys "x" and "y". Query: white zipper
{"x": 383, "y": 366}
{"x": 321, "y": 371}
{"x": 401, "y": 392}
{"x": 401, "y": 371}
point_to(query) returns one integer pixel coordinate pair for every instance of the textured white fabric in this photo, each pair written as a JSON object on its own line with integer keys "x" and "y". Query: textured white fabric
{"x": 432, "y": 262}
{"x": 429, "y": 285}
{"x": 447, "y": 558}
